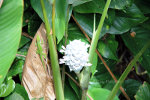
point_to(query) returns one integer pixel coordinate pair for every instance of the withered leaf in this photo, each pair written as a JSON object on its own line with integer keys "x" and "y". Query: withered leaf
{"x": 35, "y": 78}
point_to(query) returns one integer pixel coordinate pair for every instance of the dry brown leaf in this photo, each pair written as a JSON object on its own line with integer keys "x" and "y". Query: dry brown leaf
{"x": 1, "y": 1}
{"x": 38, "y": 82}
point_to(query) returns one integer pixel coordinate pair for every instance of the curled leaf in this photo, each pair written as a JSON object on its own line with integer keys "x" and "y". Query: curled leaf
{"x": 7, "y": 87}
{"x": 36, "y": 79}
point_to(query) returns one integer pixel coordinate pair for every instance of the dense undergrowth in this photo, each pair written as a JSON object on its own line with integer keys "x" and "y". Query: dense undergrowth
{"x": 125, "y": 32}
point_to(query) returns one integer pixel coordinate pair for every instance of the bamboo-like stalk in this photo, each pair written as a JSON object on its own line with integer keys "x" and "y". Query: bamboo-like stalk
{"x": 85, "y": 75}
{"x": 53, "y": 21}
{"x": 54, "y": 57}
{"x": 126, "y": 72}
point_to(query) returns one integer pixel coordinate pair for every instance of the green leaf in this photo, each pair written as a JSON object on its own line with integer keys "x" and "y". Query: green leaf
{"x": 131, "y": 87}
{"x": 20, "y": 77}
{"x": 7, "y": 87}
{"x": 36, "y": 5}
{"x": 127, "y": 19}
{"x": 110, "y": 17}
{"x": 137, "y": 42}
{"x": 102, "y": 76}
{"x": 116, "y": 23}
{"x": 27, "y": 13}
{"x": 110, "y": 84}
{"x": 69, "y": 93}
{"x": 33, "y": 24}
{"x": 120, "y": 25}
{"x": 60, "y": 19}
{"x": 26, "y": 4}
{"x": 106, "y": 82}
{"x": 146, "y": 24}
{"x": 134, "y": 12}
{"x": 102, "y": 79}
{"x": 99, "y": 93}
{"x": 77, "y": 2}
{"x": 94, "y": 6}
{"x": 11, "y": 14}
{"x": 16, "y": 68}
{"x": 21, "y": 90}
{"x": 143, "y": 92}
{"x": 87, "y": 22}
{"x": 74, "y": 33}
{"x": 94, "y": 83}
{"x": 94, "y": 64}
{"x": 23, "y": 41}
{"x": 108, "y": 47}
{"x": 14, "y": 96}
{"x": 23, "y": 51}
{"x": 75, "y": 88}
{"x": 123, "y": 24}
{"x": 97, "y": 6}
{"x": 143, "y": 5}
{"x": 120, "y": 4}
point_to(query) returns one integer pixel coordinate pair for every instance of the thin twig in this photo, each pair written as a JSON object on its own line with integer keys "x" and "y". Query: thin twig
{"x": 27, "y": 35}
{"x": 19, "y": 55}
{"x": 89, "y": 97}
{"x": 112, "y": 75}
{"x": 66, "y": 36}
{"x": 73, "y": 79}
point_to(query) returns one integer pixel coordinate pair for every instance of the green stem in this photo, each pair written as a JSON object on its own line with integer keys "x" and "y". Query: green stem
{"x": 98, "y": 31}
{"x": 54, "y": 58}
{"x": 66, "y": 36}
{"x": 53, "y": 21}
{"x": 84, "y": 97}
{"x": 85, "y": 75}
{"x": 126, "y": 72}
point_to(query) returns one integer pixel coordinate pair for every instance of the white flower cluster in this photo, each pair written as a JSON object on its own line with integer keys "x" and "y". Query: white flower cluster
{"x": 75, "y": 55}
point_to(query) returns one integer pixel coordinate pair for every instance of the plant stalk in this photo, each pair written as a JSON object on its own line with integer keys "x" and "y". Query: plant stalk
{"x": 84, "y": 94}
{"x": 53, "y": 21}
{"x": 85, "y": 75}
{"x": 126, "y": 72}
{"x": 66, "y": 37}
{"x": 54, "y": 57}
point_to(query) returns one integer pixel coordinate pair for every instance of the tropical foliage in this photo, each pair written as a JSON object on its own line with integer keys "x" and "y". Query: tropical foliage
{"x": 33, "y": 32}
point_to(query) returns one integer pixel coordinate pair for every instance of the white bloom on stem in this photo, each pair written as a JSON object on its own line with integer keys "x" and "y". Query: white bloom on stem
{"x": 75, "y": 55}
